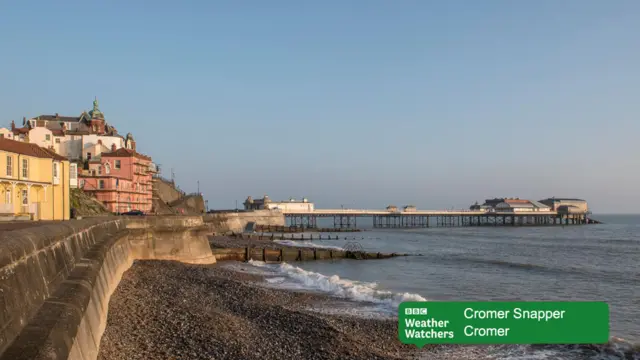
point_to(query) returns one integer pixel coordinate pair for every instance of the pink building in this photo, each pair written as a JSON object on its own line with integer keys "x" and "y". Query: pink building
{"x": 121, "y": 179}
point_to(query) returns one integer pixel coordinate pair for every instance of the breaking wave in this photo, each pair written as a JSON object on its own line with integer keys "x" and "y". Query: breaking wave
{"x": 341, "y": 288}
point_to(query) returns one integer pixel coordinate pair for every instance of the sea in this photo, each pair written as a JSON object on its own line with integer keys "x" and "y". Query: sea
{"x": 552, "y": 263}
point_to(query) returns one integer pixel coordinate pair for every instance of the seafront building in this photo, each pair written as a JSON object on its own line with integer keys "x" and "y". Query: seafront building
{"x": 121, "y": 179}
{"x": 267, "y": 204}
{"x": 511, "y": 205}
{"x": 569, "y": 205}
{"x": 34, "y": 182}
{"x": 78, "y": 138}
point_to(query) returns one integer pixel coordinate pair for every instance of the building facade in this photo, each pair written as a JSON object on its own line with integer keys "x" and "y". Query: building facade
{"x": 570, "y": 204}
{"x": 121, "y": 179}
{"x": 267, "y": 204}
{"x": 34, "y": 182}
{"x": 521, "y": 205}
{"x": 76, "y": 138}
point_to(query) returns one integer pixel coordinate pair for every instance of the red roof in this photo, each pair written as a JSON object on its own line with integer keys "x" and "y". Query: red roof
{"x": 28, "y": 149}
{"x": 516, "y": 201}
{"x": 123, "y": 152}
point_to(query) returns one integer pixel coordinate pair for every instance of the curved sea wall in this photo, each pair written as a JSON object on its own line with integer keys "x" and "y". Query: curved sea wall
{"x": 56, "y": 280}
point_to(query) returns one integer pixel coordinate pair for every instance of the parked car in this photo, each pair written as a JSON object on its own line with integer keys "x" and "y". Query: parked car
{"x": 133, "y": 213}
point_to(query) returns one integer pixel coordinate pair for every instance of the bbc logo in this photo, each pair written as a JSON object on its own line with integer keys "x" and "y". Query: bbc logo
{"x": 415, "y": 311}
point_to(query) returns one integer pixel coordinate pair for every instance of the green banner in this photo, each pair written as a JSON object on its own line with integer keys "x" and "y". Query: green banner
{"x": 537, "y": 322}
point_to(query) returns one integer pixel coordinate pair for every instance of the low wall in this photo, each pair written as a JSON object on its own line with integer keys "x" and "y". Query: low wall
{"x": 237, "y": 221}
{"x": 56, "y": 280}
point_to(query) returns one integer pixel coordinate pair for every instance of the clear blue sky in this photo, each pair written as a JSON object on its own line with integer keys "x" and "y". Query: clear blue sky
{"x": 355, "y": 103}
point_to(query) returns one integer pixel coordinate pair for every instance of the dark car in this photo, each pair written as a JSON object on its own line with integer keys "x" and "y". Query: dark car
{"x": 133, "y": 213}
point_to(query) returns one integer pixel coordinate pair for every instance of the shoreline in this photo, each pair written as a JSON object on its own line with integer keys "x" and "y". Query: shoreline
{"x": 171, "y": 310}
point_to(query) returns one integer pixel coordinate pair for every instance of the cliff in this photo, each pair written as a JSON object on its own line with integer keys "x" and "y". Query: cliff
{"x": 169, "y": 199}
{"x": 85, "y": 204}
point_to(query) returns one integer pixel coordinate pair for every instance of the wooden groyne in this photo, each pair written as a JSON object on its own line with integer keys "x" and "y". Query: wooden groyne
{"x": 291, "y": 254}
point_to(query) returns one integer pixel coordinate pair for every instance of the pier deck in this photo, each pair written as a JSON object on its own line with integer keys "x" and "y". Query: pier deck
{"x": 347, "y": 218}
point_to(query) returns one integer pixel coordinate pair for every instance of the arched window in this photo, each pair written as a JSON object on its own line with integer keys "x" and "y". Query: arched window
{"x": 107, "y": 168}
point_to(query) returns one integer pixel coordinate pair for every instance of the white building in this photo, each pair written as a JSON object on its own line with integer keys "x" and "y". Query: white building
{"x": 292, "y": 204}
{"x": 519, "y": 205}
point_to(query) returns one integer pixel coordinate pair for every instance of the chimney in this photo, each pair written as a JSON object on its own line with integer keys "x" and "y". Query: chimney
{"x": 24, "y": 121}
{"x": 57, "y": 116}
{"x": 13, "y": 125}
{"x": 113, "y": 147}
{"x": 99, "y": 141}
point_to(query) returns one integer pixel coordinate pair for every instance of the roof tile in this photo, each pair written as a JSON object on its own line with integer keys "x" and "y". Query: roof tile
{"x": 28, "y": 149}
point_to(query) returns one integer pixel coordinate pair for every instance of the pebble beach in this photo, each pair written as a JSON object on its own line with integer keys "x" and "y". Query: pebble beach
{"x": 170, "y": 310}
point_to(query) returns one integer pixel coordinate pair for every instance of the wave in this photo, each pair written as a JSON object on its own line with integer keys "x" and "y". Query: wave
{"x": 303, "y": 243}
{"x": 342, "y": 288}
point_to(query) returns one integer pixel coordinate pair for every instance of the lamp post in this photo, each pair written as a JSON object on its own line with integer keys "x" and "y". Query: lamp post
{"x": 198, "y": 186}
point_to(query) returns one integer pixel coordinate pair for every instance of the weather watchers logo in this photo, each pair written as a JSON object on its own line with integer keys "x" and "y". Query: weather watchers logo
{"x": 535, "y": 322}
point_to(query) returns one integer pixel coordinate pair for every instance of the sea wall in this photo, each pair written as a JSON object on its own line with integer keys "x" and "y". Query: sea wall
{"x": 56, "y": 280}
{"x": 237, "y": 221}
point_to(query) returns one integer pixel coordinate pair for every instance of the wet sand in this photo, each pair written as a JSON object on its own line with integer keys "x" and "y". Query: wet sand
{"x": 170, "y": 310}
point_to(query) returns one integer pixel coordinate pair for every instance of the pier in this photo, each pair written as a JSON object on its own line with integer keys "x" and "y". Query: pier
{"x": 348, "y": 218}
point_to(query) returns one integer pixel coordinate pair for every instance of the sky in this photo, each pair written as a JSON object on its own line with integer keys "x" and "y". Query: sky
{"x": 358, "y": 104}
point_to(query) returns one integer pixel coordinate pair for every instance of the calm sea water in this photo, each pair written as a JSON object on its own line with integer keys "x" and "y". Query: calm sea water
{"x": 594, "y": 262}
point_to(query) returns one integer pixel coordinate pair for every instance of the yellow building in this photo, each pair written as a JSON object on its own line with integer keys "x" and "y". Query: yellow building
{"x": 34, "y": 182}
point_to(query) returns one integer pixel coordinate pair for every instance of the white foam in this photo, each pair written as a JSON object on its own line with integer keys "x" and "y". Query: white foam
{"x": 275, "y": 280}
{"x": 342, "y": 288}
{"x": 305, "y": 243}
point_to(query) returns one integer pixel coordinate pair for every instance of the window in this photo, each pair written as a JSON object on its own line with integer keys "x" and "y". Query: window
{"x": 101, "y": 184}
{"x": 107, "y": 168}
{"x": 82, "y": 184}
{"x": 25, "y": 197}
{"x": 73, "y": 171}
{"x": 88, "y": 156}
{"x": 9, "y": 166}
{"x": 7, "y": 197}
{"x": 99, "y": 170}
{"x": 55, "y": 169}
{"x": 117, "y": 164}
{"x": 47, "y": 137}
{"x": 25, "y": 168}
{"x": 57, "y": 141}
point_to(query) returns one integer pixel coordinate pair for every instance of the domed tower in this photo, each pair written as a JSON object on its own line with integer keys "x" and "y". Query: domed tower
{"x": 97, "y": 122}
{"x": 129, "y": 143}
{"x": 248, "y": 204}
